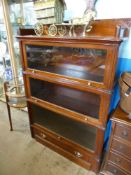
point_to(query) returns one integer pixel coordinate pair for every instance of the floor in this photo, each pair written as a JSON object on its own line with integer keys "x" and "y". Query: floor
{"x": 22, "y": 155}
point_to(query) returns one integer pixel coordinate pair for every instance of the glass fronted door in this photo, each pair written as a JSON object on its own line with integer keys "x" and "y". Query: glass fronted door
{"x": 77, "y": 132}
{"x": 85, "y": 103}
{"x": 82, "y": 63}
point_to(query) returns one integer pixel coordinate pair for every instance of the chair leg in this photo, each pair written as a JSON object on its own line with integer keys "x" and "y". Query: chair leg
{"x": 9, "y": 115}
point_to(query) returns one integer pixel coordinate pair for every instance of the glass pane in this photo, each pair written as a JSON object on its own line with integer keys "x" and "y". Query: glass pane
{"x": 82, "y": 102}
{"x": 5, "y": 63}
{"x": 82, "y": 134}
{"x": 22, "y": 15}
{"x": 88, "y": 64}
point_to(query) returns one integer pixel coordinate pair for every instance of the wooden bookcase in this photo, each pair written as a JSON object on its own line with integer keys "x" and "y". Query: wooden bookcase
{"x": 68, "y": 84}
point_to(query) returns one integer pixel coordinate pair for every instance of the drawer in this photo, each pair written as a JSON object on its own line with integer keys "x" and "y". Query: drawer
{"x": 115, "y": 170}
{"x": 123, "y": 131}
{"x": 121, "y": 148}
{"x": 75, "y": 150}
{"x": 120, "y": 161}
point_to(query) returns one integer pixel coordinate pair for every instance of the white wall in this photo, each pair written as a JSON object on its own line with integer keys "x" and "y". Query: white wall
{"x": 75, "y": 8}
{"x": 113, "y": 9}
{"x": 107, "y": 9}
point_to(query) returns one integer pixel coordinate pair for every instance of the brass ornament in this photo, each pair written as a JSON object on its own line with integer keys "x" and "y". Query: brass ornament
{"x": 52, "y": 30}
{"x": 62, "y": 30}
{"x": 38, "y": 28}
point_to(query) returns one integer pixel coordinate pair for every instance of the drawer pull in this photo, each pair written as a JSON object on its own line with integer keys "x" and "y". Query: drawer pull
{"x": 89, "y": 83}
{"x": 33, "y": 71}
{"x": 58, "y": 137}
{"x": 43, "y": 135}
{"x": 78, "y": 154}
{"x": 125, "y": 133}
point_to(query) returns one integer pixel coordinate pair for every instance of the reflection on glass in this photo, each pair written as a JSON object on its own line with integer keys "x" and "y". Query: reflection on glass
{"x": 5, "y": 64}
{"x": 88, "y": 64}
{"x": 22, "y": 15}
{"x": 82, "y": 102}
{"x": 82, "y": 134}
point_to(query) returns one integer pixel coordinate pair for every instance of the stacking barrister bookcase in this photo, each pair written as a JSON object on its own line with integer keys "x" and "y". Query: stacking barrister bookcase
{"x": 68, "y": 84}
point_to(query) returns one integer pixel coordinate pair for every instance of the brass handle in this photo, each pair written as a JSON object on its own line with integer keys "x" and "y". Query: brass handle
{"x": 125, "y": 133}
{"x": 43, "y": 135}
{"x": 33, "y": 71}
{"x": 89, "y": 83}
{"x": 58, "y": 137}
{"x": 78, "y": 154}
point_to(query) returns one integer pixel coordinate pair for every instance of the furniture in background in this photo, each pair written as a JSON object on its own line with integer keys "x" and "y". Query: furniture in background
{"x": 68, "y": 83}
{"x": 49, "y": 12}
{"x": 118, "y": 160}
{"x": 15, "y": 96}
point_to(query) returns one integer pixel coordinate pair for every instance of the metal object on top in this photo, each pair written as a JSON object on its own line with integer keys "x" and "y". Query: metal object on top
{"x": 38, "y": 28}
{"x": 76, "y": 27}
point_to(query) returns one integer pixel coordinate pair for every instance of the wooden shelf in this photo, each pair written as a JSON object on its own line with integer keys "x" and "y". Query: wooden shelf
{"x": 73, "y": 72}
{"x": 17, "y": 103}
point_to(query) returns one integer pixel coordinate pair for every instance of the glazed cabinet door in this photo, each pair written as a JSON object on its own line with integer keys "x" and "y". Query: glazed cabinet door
{"x": 85, "y": 106}
{"x": 85, "y": 63}
{"x": 76, "y": 132}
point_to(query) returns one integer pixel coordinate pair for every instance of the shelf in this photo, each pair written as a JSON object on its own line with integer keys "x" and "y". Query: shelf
{"x": 86, "y": 103}
{"x": 76, "y": 72}
{"x": 79, "y": 133}
{"x": 17, "y": 103}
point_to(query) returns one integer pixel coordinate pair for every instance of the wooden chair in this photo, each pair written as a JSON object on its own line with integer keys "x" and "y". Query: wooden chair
{"x": 15, "y": 97}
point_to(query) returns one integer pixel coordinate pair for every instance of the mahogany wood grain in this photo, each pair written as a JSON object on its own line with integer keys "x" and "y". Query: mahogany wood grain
{"x": 119, "y": 153}
{"x": 102, "y": 27}
{"x": 100, "y": 43}
{"x": 115, "y": 170}
{"x": 66, "y": 148}
{"x": 120, "y": 161}
{"x": 108, "y": 41}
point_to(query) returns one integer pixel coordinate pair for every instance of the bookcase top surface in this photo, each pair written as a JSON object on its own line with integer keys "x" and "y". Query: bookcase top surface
{"x": 90, "y": 39}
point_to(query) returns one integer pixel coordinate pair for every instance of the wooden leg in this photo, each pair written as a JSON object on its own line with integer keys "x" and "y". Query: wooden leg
{"x": 9, "y": 115}
{"x": 8, "y": 107}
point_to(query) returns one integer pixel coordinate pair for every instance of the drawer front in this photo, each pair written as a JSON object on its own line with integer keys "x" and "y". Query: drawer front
{"x": 42, "y": 134}
{"x": 115, "y": 170}
{"x": 123, "y": 131}
{"x": 121, "y": 148}
{"x": 120, "y": 161}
